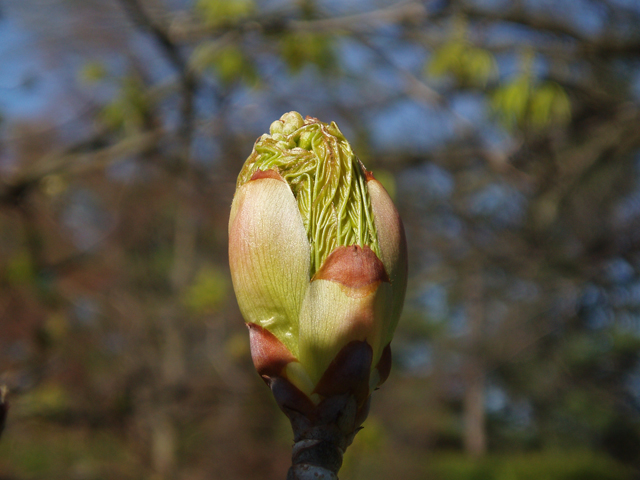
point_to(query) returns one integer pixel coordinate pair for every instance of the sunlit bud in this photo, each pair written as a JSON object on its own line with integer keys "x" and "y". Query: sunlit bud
{"x": 318, "y": 261}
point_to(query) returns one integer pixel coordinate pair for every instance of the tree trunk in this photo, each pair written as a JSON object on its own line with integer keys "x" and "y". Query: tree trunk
{"x": 475, "y": 438}
{"x": 474, "y": 371}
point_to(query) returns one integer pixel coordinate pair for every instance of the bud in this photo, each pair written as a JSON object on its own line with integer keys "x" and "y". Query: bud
{"x": 318, "y": 261}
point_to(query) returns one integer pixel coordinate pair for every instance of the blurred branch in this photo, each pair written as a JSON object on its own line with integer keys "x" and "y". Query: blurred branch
{"x": 467, "y": 131}
{"x": 607, "y": 43}
{"x": 140, "y": 18}
{"x": 411, "y": 11}
{"x": 172, "y": 52}
{"x": 185, "y": 229}
{"x": 574, "y": 164}
{"x": 414, "y": 87}
{"x": 172, "y": 350}
{"x": 517, "y": 13}
{"x": 13, "y": 192}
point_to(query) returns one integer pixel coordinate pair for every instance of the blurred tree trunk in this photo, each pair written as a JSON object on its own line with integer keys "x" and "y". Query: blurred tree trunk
{"x": 475, "y": 437}
{"x": 474, "y": 371}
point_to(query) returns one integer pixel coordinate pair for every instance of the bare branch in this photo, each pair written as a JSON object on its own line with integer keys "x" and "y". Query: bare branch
{"x": 71, "y": 162}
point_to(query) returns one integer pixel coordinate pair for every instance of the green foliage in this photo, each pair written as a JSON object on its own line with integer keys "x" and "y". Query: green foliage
{"x": 47, "y": 399}
{"x": 589, "y": 411}
{"x": 469, "y": 65}
{"x": 215, "y": 13}
{"x": 524, "y": 102}
{"x": 130, "y": 109}
{"x": 54, "y": 184}
{"x": 207, "y": 292}
{"x": 56, "y": 327}
{"x": 299, "y": 49}
{"x": 370, "y": 441}
{"x": 624, "y": 345}
{"x": 510, "y": 101}
{"x": 36, "y": 452}
{"x": 93, "y": 72}
{"x": 583, "y": 350}
{"x": 20, "y": 269}
{"x": 549, "y": 104}
{"x": 530, "y": 466}
{"x": 230, "y": 63}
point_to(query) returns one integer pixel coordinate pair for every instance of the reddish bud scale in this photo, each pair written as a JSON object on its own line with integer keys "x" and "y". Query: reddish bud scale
{"x": 269, "y": 355}
{"x": 354, "y": 267}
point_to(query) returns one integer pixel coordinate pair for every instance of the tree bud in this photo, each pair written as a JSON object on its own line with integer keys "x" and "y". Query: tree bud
{"x": 319, "y": 264}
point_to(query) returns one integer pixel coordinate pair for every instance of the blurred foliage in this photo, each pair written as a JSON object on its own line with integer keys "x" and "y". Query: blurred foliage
{"x": 129, "y": 111}
{"x": 93, "y": 72}
{"x": 519, "y": 103}
{"x": 524, "y": 102}
{"x": 533, "y": 466}
{"x": 50, "y": 453}
{"x": 47, "y": 399}
{"x": 19, "y": 270}
{"x": 207, "y": 292}
{"x": 56, "y": 326}
{"x": 302, "y": 48}
{"x": 54, "y": 185}
{"x": 229, "y": 63}
{"x": 370, "y": 441}
{"x": 470, "y": 66}
{"x": 215, "y": 13}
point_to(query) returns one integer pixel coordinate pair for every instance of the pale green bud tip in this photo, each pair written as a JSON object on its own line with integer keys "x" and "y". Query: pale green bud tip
{"x": 326, "y": 179}
{"x": 292, "y": 121}
{"x": 276, "y": 127}
{"x": 288, "y": 123}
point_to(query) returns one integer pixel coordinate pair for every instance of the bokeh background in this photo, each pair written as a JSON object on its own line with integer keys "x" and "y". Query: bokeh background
{"x": 508, "y": 133}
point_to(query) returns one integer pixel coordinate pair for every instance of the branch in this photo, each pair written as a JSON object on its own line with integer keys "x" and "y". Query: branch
{"x": 577, "y": 163}
{"x": 140, "y": 18}
{"x": 603, "y": 45}
{"x": 185, "y": 228}
{"x": 411, "y": 11}
{"x": 407, "y": 11}
{"x": 172, "y": 52}
{"x": 13, "y": 192}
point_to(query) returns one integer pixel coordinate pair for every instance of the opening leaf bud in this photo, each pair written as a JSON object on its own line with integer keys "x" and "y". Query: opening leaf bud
{"x": 318, "y": 261}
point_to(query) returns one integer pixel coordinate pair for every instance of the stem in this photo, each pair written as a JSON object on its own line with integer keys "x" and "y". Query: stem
{"x": 315, "y": 460}
{"x": 322, "y": 436}
{"x": 322, "y": 431}
{"x": 317, "y": 453}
